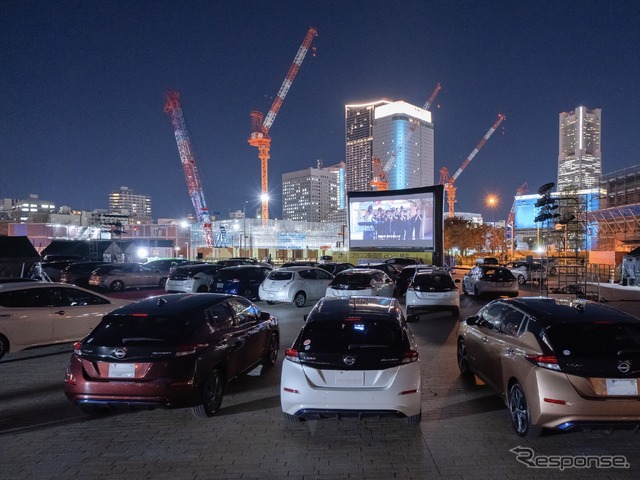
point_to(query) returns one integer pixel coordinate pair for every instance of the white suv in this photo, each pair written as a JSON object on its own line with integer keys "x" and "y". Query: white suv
{"x": 430, "y": 290}
{"x": 294, "y": 285}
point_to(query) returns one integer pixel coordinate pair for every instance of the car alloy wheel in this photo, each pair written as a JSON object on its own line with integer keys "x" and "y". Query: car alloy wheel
{"x": 521, "y": 280}
{"x": 520, "y": 415}
{"x": 300, "y": 299}
{"x": 463, "y": 358}
{"x": 212, "y": 392}
{"x": 272, "y": 351}
{"x": 117, "y": 286}
{"x": 248, "y": 294}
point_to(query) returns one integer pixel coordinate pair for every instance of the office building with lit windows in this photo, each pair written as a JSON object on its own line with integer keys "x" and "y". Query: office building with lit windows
{"x": 312, "y": 194}
{"x": 127, "y": 202}
{"x": 580, "y": 156}
{"x": 403, "y": 141}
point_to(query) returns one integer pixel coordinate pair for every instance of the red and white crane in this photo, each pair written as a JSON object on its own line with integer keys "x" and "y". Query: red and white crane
{"x": 260, "y": 129}
{"x": 379, "y": 181}
{"x": 448, "y": 181}
{"x": 188, "y": 159}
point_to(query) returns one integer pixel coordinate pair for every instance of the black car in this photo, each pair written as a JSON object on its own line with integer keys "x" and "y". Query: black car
{"x": 177, "y": 350}
{"x": 241, "y": 280}
{"x": 335, "y": 267}
{"x": 400, "y": 262}
{"x": 79, "y": 273}
{"x": 387, "y": 268}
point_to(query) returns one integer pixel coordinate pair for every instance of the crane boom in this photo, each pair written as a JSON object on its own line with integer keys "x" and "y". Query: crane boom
{"x": 448, "y": 181}
{"x": 260, "y": 128}
{"x": 188, "y": 159}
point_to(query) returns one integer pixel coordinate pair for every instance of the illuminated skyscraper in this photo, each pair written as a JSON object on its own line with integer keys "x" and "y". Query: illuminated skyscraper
{"x": 399, "y": 134}
{"x": 403, "y": 141}
{"x": 580, "y": 157}
{"x": 311, "y": 195}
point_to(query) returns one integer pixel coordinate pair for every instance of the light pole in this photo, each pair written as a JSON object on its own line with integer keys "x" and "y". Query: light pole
{"x": 244, "y": 228}
{"x": 492, "y": 203}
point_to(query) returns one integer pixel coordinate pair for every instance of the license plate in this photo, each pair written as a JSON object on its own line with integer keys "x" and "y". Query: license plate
{"x": 349, "y": 378}
{"x": 622, "y": 386}
{"x": 122, "y": 370}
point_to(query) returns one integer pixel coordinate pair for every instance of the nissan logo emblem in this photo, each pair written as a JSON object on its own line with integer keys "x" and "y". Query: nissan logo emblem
{"x": 120, "y": 353}
{"x": 349, "y": 360}
{"x": 624, "y": 367}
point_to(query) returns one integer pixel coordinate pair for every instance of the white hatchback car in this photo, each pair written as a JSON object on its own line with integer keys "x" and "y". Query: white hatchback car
{"x": 191, "y": 278}
{"x": 353, "y": 357}
{"x": 430, "y": 290}
{"x": 361, "y": 281}
{"x": 294, "y": 285}
{"x": 43, "y": 313}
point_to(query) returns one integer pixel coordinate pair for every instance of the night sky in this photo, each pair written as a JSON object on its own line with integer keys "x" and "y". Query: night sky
{"x": 83, "y": 82}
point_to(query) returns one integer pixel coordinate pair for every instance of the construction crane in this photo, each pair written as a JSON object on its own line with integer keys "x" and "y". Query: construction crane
{"x": 520, "y": 191}
{"x": 188, "y": 159}
{"x": 448, "y": 181}
{"x": 379, "y": 181}
{"x": 260, "y": 129}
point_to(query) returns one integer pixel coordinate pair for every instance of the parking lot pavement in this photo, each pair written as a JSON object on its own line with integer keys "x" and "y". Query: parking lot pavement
{"x": 465, "y": 430}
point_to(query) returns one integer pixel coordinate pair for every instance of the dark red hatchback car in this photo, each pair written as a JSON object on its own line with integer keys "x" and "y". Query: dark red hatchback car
{"x": 176, "y": 350}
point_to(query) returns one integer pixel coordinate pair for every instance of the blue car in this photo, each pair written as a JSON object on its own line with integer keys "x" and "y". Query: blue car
{"x": 243, "y": 280}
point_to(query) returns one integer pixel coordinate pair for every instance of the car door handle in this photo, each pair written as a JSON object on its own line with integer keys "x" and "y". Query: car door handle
{"x": 485, "y": 339}
{"x": 510, "y": 350}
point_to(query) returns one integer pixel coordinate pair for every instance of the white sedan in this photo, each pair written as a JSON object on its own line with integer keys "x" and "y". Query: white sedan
{"x": 42, "y": 313}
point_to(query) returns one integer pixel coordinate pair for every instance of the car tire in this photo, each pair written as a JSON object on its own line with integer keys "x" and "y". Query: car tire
{"x": 117, "y": 286}
{"x": 211, "y": 395}
{"x": 248, "y": 294}
{"x": 463, "y": 358}
{"x": 414, "y": 419}
{"x": 553, "y": 271}
{"x": 291, "y": 418}
{"x": 300, "y": 299}
{"x": 202, "y": 289}
{"x": 4, "y": 345}
{"x": 271, "y": 356}
{"x": 520, "y": 414}
{"x": 521, "y": 280}
{"x": 162, "y": 283}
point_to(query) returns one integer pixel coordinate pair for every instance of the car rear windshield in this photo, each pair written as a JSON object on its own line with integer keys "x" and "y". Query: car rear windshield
{"x": 131, "y": 329}
{"x": 352, "y": 279}
{"x": 277, "y": 275}
{"x": 604, "y": 339}
{"x": 227, "y": 275}
{"x": 350, "y": 335}
{"x": 498, "y": 275}
{"x": 433, "y": 282}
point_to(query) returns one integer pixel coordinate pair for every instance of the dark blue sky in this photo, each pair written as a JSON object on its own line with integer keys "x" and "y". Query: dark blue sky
{"x": 83, "y": 90}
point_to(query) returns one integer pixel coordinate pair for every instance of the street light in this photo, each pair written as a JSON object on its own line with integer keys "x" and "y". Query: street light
{"x": 492, "y": 203}
{"x": 244, "y": 228}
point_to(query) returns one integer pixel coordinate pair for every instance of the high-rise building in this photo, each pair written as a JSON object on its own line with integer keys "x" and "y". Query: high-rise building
{"x": 580, "y": 156}
{"x": 359, "y": 145}
{"x": 311, "y": 194}
{"x": 127, "y": 202}
{"x": 403, "y": 141}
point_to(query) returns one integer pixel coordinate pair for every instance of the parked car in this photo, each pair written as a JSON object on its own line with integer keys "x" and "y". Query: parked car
{"x": 432, "y": 290}
{"x": 353, "y": 357}
{"x": 301, "y": 263}
{"x": 490, "y": 279}
{"x": 53, "y": 269}
{"x": 191, "y": 278}
{"x": 400, "y": 262}
{"x": 361, "y": 281}
{"x": 406, "y": 275}
{"x": 387, "y": 268}
{"x": 79, "y": 273}
{"x": 165, "y": 264}
{"x": 34, "y": 314}
{"x": 235, "y": 261}
{"x": 335, "y": 267}
{"x": 556, "y": 363}
{"x": 527, "y": 272}
{"x": 118, "y": 276}
{"x": 294, "y": 285}
{"x": 175, "y": 350}
{"x": 487, "y": 261}
{"x": 549, "y": 264}
{"x": 241, "y": 280}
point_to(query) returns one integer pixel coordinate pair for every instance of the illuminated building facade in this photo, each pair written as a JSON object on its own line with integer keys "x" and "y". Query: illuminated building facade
{"x": 311, "y": 195}
{"x": 127, "y": 202}
{"x": 403, "y": 141}
{"x": 580, "y": 157}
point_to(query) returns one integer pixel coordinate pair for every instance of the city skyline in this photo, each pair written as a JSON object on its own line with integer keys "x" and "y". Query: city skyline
{"x": 83, "y": 91}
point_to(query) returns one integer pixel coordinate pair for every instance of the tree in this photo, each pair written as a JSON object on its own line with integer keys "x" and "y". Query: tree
{"x": 464, "y": 235}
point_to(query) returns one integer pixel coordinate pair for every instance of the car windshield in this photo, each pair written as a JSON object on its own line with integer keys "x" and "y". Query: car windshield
{"x": 130, "y": 329}
{"x": 280, "y": 275}
{"x": 351, "y": 335}
{"x": 600, "y": 339}
{"x": 437, "y": 282}
{"x": 352, "y": 279}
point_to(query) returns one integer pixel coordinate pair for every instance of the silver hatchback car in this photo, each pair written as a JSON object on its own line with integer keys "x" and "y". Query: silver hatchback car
{"x": 295, "y": 285}
{"x": 490, "y": 280}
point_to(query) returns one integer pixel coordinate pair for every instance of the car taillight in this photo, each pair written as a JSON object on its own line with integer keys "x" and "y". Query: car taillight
{"x": 77, "y": 348}
{"x": 291, "y": 354}
{"x": 544, "y": 361}
{"x": 410, "y": 356}
{"x": 183, "y": 350}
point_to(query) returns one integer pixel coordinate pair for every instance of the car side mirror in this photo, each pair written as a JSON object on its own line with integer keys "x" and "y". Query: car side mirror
{"x": 472, "y": 320}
